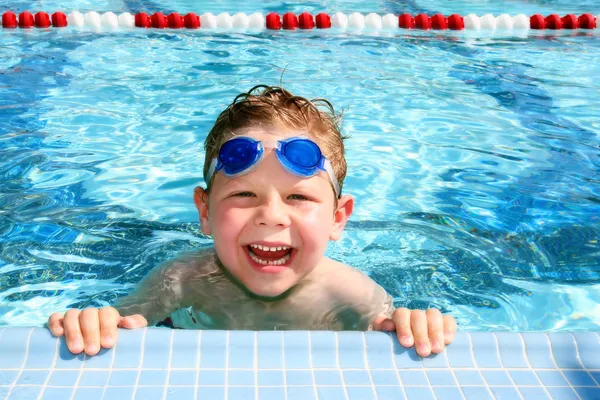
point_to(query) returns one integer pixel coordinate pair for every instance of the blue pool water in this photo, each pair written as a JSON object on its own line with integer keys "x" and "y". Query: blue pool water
{"x": 474, "y": 160}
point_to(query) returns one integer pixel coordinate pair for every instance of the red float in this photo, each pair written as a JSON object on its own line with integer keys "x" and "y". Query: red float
{"x": 191, "y": 21}
{"x": 290, "y": 21}
{"x": 175, "y": 21}
{"x": 439, "y": 22}
{"x": 26, "y": 20}
{"x": 59, "y": 19}
{"x": 570, "y": 21}
{"x": 553, "y": 21}
{"x": 273, "y": 21}
{"x": 42, "y": 20}
{"x": 406, "y": 21}
{"x": 9, "y": 20}
{"x": 305, "y": 21}
{"x": 159, "y": 20}
{"x": 456, "y": 22}
{"x": 422, "y": 21}
{"x": 142, "y": 20}
{"x": 323, "y": 21}
{"x": 537, "y": 21}
{"x": 587, "y": 21}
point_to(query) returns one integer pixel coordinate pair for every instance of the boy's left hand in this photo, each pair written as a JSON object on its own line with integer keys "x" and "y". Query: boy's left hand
{"x": 428, "y": 331}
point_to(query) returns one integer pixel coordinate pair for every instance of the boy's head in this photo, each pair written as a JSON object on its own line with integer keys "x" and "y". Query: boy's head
{"x": 274, "y": 107}
{"x": 271, "y": 226}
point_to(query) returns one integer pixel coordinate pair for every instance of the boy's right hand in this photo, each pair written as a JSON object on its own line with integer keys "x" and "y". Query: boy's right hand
{"x": 91, "y": 328}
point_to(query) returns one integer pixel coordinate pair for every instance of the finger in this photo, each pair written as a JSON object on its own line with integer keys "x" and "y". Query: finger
{"x": 55, "y": 324}
{"x": 449, "y": 329}
{"x": 133, "y": 322}
{"x": 109, "y": 318}
{"x": 418, "y": 324}
{"x": 90, "y": 329}
{"x": 435, "y": 329}
{"x": 383, "y": 323}
{"x": 73, "y": 331}
{"x": 401, "y": 317}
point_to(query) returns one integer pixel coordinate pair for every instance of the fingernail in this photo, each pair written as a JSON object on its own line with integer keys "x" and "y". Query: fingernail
{"x": 92, "y": 348}
{"x": 107, "y": 340}
{"x": 406, "y": 339}
{"x": 435, "y": 345}
{"x": 424, "y": 349}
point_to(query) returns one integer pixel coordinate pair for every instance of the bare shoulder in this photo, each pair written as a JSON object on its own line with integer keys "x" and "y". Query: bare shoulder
{"x": 191, "y": 266}
{"x": 345, "y": 280}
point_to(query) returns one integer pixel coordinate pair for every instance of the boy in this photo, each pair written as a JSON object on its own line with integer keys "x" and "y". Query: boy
{"x": 274, "y": 170}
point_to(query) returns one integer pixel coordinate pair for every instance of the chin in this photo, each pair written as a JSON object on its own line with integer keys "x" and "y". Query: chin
{"x": 268, "y": 290}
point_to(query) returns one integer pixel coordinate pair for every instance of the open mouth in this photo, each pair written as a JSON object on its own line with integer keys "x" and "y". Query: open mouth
{"x": 270, "y": 255}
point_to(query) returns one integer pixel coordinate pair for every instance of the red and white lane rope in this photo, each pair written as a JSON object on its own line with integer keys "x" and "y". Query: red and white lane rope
{"x": 109, "y": 21}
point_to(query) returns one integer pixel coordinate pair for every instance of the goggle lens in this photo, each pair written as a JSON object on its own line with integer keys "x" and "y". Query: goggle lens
{"x": 303, "y": 153}
{"x": 238, "y": 155}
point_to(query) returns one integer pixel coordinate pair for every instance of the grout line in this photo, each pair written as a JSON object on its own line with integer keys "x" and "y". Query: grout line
{"x": 530, "y": 367}
{"x": 476, "y": 366}
{"x": 198, "y": 355}
{"x": 102, "y": 369}
{"x": 85, "y": 357}
{"x": 396, "y": 369}
{"x": 452, "y": 369}
{"x": 559, "y": 368}
{"x": 503, "y": 367}
{"x": 12, "y": 387}
{"x": 227, "y": 337}
{"x": 166, "y": 391}
{"x": 424, "y": 369}
{"x": 337, "y": 359}
{"x": 283, "y": 366}
{"x": 143, "y": 351}
{"x": 581, "y": 362}
{"x": 112, "y": 364}
{"x": 255, "y": 369}
{"x": 300, "y": 385}
{"x": 51, "y": 369}
{"x": 312, "y": 368}
{"x": 367, "y": 367}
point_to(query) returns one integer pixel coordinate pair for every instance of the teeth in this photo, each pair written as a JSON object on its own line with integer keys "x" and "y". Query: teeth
{"x": 267, "y": 248}
{"x": 281, "y": 261}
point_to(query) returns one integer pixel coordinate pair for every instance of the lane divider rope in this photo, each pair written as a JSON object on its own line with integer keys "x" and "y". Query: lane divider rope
{"x": 289, "y": 21}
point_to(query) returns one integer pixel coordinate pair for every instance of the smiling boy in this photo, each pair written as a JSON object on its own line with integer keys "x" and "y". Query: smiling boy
{"x": 274, "y": 170}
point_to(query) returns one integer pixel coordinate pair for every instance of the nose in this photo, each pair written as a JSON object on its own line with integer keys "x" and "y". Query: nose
{"x": 272, "y": 213}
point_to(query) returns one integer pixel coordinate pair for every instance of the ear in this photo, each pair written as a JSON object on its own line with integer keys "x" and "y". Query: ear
{"x": 201, "y": 202}
{"x": 343, "y": 211}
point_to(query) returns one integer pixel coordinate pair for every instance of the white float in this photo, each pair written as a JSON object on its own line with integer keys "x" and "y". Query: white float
{"x": 356, "y": 21}
{"x": 373, "y": 21}
{"x": 75, "y": 19}
{"x": 208, "y": 21}
{"x": 339, "y": 20}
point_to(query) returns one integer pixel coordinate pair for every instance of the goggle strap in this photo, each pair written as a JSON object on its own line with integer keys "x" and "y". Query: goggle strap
{"x": 211, "y": 170}
{"x": 329, "y": 169}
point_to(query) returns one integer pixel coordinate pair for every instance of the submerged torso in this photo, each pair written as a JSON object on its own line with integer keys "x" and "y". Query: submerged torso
{"x": 211, "y": 299}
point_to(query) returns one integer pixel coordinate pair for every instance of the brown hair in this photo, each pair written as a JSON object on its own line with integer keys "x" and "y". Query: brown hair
{"x": 275, "y": 106}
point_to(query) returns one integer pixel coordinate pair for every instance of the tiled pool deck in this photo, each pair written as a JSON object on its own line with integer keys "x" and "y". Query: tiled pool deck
{"x": 158, "y": 363}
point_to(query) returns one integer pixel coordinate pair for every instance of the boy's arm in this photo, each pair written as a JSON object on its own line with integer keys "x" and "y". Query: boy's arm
{"x": 155, "y": 297}
{"x": 163, "y": 289}
{"x": 428, "y": 331}
{"x": 365, "y": 301}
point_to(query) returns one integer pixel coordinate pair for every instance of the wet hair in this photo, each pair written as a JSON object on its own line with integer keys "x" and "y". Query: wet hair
{"x": 274, "y": 107}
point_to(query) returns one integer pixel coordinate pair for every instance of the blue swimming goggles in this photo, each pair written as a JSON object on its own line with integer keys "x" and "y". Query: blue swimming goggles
{"x": 298, "y": 155}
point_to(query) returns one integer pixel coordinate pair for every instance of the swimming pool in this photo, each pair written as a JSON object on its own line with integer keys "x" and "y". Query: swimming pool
{"x": 474, "y": 159}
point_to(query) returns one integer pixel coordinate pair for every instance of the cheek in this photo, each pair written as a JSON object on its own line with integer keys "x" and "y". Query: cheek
{"x": 315, "y": 227}
{"x": 228, "y": 221}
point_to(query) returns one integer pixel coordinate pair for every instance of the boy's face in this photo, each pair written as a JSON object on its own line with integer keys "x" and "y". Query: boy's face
{"x": 271, "y": 227}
